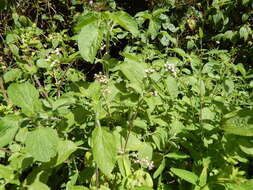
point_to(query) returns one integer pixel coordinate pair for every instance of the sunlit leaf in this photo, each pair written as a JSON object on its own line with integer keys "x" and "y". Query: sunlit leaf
{"x": 89, "y": 41}
{"x": 42, "y": 144}
{"x": 104, "y": 149}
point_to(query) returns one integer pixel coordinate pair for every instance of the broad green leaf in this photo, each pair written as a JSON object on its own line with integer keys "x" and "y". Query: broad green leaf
{"x": 172, "y": 86}
{"x": 64, "y": 150}
{"x": 134, "y": 72}
{"x": 154, "y": 27}
{"x": 166, "y": 39}
{"x": 6, "y": 173}
{"x": 8, "y": 128}
{"x": 42, "y": 144}
{"x": 240, "y": 186}
{"x": 12, "y": 75}
{"x": 239, "y": 123}
{"x": 85, "y": 20}
{"x": 133, "y": 143}
{"x": 124, "y": 165}
{"x": 244, "y": 32}
{"x": 104, "y": 149}
{"x": 89, "y": 41}
{"x": 145, "y": 151}
{"x": 179, "y": 51}
{"x": 185, "y": 175}
{"x": 126, "y": 21}
{"x": 37, "y": 185}
{"x": 26, "y": 96}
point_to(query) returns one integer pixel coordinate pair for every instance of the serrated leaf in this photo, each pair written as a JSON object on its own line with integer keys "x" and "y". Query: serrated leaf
{"x": 89, "y": 41}
{"x": 42, "y": 144}
{"x": 153, "y": 28}
{"x": 12, "y": 75}
{"x": 171, "y": 86}
{"x": 239, "y": 123}
{"x": 8, "y": 128}
{"x": 64, "y": 150}
{"x": 134, "y": 72}
{"x": 26, "y": 96}
{"x": 185, "y": 175}
{"x": 104, "y": 149}
{"x": 126, "y": 21}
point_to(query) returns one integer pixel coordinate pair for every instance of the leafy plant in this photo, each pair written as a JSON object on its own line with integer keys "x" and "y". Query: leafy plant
{"x": 93, "y": 97}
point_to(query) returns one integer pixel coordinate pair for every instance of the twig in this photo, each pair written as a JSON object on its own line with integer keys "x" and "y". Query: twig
{"x": 3, "y": 90}
{"x": 44, "y": 94}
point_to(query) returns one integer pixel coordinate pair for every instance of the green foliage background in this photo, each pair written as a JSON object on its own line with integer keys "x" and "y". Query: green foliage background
{"x": 115, "y": 94}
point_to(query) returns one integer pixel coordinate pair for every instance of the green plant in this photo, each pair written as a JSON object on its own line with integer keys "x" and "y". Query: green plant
{"x": 170, "y": 108}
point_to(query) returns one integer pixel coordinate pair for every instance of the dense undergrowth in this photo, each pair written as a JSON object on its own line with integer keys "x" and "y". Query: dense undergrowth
{"x": 131, "y": 94}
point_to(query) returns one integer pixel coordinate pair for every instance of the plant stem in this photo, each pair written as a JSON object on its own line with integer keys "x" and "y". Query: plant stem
{"x": 3, "y": 90}
{"x": 131, "y": 125}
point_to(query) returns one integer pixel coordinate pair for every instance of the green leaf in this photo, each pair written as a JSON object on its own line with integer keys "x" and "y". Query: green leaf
{"x": 124, "y": 165}
{"x": 12, "y": 75}
{"x": 185, "y": 175}
{"x": 104, "y": 149}
{"x": 244, "y": 32}
{"x": 89, "y": 41}
{"x": 201, "y": 33}
{"x": 126, "y": 21}
{"x": 42, "y": 144}
{"x": 171, "y": 86}
{"x": 64, "y": 150}
{"x": 6, "y": 172}
{"x": 8, "y": 128}
{"x": 26, "y": 96}
{"x": 159, "y": 169}
{"x": 85, "y": 20}
{"x": 154, "y": 27}
{"x": 78, "y": 187}
{"x": 134, "y": 72}
{"x": 177, "y": 155}
{"x": 143, "y": 188}
{"x": 239, "y": 123}
{"x": 38, "y": 185}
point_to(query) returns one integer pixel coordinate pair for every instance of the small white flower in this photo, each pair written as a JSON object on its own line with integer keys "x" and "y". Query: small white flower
{"x": 170, "y": 67}
{"x": 150, "y": 70}
{"x": 155, "y": 93}
{"x": 101, "y": 78}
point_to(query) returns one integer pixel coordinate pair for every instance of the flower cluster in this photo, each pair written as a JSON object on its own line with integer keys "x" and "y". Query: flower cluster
{"x": 170, "y": 67}
{"x": 51, "y": 54}
{"x": 150, "y": 70}
{"x": 101, "y": 78}
{"x": 143, "y": 161}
